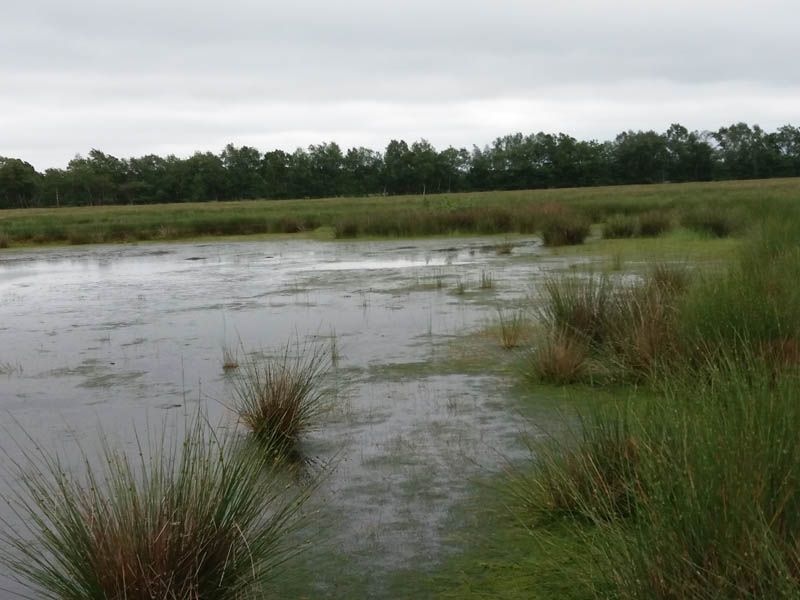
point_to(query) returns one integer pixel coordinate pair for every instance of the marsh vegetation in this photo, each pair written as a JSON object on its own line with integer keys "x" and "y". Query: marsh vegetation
{"x": 660, "y": 397}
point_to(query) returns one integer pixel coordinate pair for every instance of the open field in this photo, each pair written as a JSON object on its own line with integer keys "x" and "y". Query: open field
{"x": 462, "y": 417}
{"x": 397, "y": 216}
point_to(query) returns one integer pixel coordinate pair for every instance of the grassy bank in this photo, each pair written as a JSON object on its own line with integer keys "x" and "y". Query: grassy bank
{"x": 719, "y": 208}
{"x": 686, "y": 486}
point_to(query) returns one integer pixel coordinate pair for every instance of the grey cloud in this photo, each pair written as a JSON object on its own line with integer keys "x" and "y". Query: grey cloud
{"x": 154, "y": 76}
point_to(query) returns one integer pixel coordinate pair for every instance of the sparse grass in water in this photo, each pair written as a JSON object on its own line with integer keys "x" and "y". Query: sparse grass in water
{"x": 511, "y": 327}
{"x": 188, "y": 518}
{"x": 334, "y": 348}
{"x": 487, "y": 280}
{"x": 230, "y": 359}
{"x": 504, "y": 248}
{"x": 461, "y": 287}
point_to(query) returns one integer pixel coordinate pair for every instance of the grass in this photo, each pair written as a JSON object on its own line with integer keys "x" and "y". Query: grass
{"x": 564, "y": 227}
{"x": 504, "y": 249}
{"x": 691, "y": 491}
{"x": 446, "y": 214}
{"x": 461, "y": 287}
{"x": 511, "y": 328}
{"x": 654, "y": 223}
{"x": 281, "y": 397}
{"x": 487, "y": 281}
{"x": 188, "y": 518}
{"x": 620, "y": 226}
{"x": 230, "y": 359}
{"x": 560, "y": 358}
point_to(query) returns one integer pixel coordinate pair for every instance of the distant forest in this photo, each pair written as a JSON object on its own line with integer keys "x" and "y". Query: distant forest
{"x": 511, "y": 162}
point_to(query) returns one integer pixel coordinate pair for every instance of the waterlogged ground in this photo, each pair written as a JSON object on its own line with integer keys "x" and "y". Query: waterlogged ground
{"x": 112, "y": 337}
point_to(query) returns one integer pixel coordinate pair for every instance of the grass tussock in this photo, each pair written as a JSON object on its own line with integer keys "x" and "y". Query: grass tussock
{"x": 653, "y": 223}
{"x": 187, "y": 518}
{"x": 564, "y": 227}
{"x": 624, "y": 332}
{"x": 560, "y": 358}
{"x": 282, "y": 396}
{"x": 714, "y": 221}
{"x": 620, "y": 226}
{"x": 591, "y": 475}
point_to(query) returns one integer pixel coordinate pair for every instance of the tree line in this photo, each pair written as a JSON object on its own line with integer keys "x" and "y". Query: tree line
{"x": 515, "y": 161}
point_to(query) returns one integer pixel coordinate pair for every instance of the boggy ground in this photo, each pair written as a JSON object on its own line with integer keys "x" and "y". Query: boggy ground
{"x": 427, "y": 403}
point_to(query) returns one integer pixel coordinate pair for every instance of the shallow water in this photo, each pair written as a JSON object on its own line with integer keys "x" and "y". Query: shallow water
{"x": 114, "y": 337}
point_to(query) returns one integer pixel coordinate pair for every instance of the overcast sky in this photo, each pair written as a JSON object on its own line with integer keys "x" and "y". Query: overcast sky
{"x": 175, "y": 76}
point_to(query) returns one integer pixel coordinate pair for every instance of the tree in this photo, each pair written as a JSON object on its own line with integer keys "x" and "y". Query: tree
{"x": 640, "y": 157}
{"x": 19, "y": 182}
{"x": 243, "y": 168}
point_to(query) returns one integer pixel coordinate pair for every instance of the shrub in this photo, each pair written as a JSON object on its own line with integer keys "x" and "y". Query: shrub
{"x": 653, "y": 223}
{"x": 282, "y": 396}
{"x": 619, "y": 226}
{"x": 188, "y": 518}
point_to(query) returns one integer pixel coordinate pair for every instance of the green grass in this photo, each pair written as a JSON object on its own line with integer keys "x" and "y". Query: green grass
{"x": 400, "y": 216}
{"x": 191, "y": 517}
{"x": 692, "y": 490}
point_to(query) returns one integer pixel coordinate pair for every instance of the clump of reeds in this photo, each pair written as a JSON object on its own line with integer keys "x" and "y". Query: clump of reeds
{"x": 564, "y": 228}
{"x": 579, "y": 306}
{"x": 620, "y": 226}
{"x": 715, "y": 221}
{"x": 653, "y": 223}
{"x": 626, "y": 331}
{"x": 487, "y": 280}
{"x": 282, "y": 396}
{"x": 186, "y": 518}
{"x": 591, "y": 474}
{"x": 560, "y": 358}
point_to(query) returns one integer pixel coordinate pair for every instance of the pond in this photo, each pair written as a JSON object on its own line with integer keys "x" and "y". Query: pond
{"x": 112, "y": 338}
